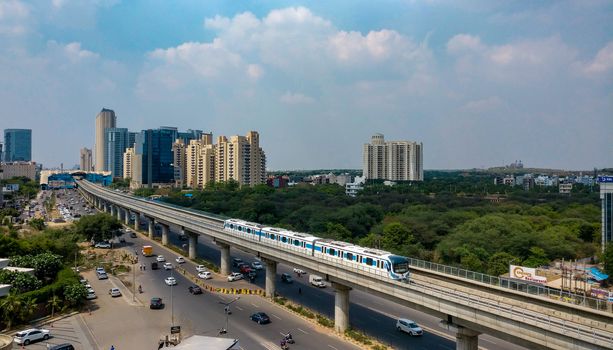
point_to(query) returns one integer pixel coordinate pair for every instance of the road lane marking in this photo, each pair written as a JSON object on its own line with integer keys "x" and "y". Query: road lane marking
{"x": 238, "y": 307}
{"x": 303, "y": 331}
{"x": 275, "y": 316}
{"x": 254, "y": 305}
{"x": 332, "y": 347}
{"x": 489, "y": 341}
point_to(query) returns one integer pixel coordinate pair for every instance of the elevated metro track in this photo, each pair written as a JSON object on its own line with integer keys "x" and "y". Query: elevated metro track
{"x": 471, "y": 307}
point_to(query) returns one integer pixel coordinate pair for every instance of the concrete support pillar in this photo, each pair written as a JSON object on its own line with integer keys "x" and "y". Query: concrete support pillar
{"x": 224, "y": 265}
{"x": 341, "y": 307}
{"x": 136, "y": 221}
{"x": 164, "y": 234}
{"x": 271, "y": 274}
{"x": 151, "y": 227}
{"x": 119, "y": 211}
{"x": 126, "y": 217}
{"x": 467, "y": 339}
{"x": 193, "y": 244}
{"x": 113, "y": 209}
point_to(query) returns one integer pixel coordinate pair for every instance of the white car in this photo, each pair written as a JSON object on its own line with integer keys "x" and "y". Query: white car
{"x": 299, "y": 271}
{"x": 235, "y": 276}
{"x": 257, "y": 265}
{"x": 206, "y": 275}
{"x": 31, "y": 335}
{"x": 167, "y": 266}
{"x": 160, "y": 258}
{"x": 170, "y": 281}
{"x": 201, "y": 268}
{"x": 115, "y": 292}
{"x": 90, "y": 295}
{"x": 100, "y": 270}
{"x": 408, "y": 326}
{"x": 180, "y": 260}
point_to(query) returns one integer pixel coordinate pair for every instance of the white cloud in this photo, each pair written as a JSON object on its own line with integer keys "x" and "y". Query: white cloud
{"x": 254, "y": 71}
{"x": 603, "y": 62}
{"x": 462, "y": 43}
{"x": 291, "y": 98}
{"x": 483, "y": 105}
{"x": 14, "y": 17}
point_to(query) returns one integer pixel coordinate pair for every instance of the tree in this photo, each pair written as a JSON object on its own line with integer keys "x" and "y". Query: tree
{"x": 24, "y": 282}
{"x": 10, "y": 306}
{"x": 38, "y": 224}
{"x": 498, "y": 263}
{"x": 53, "y": 303}
{"x": 607, "y": 258}
{"x": 74, "y": 294}
{"x": 28, "y": 307}
{"x": 395, "y": 235}
{"x": 97, "y": 227}
{"x": 537, "y": 258}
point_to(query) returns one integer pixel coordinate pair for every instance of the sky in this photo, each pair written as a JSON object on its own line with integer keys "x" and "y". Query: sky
{"x": 480, "y": 83}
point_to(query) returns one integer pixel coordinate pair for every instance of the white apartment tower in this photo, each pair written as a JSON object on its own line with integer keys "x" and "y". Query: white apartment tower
{"x": 128, "y": 163}
{"x": 393, "y": 160}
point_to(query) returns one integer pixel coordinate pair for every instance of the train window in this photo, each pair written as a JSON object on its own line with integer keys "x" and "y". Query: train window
{"x": 331, "y": 251}
{"x": 240, "y": 228}
{"x": 378, "y": 264}
{"x": 248, "y": 230}
{"x": 369, "y": 261}
{"x": 284, "y": 239}
{"x": 349, "y": 256}
{"x": 231, "y": 227}
{"x": 296, "y": 243}
{"x": 272, "y": 236}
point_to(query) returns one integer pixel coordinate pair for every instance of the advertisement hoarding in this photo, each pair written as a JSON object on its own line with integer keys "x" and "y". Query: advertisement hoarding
{"x": 526, "y": 274}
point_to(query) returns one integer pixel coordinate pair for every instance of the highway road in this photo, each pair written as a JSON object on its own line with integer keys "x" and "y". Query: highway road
{"x": 204, "y": 314}
{"x": 373, "y": 315}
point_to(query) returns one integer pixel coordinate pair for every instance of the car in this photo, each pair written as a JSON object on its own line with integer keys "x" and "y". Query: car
{"x": 83, "y": 281}
{"x": 64, "y": 346}
{"x": 170, "y": 281}
{"x": 90, "y": 295}
{"x": 167, "y": 266}
{"x": 154, "y": 266}
{"x": 408, "y": 326}
{"x": 31, "y": 335}
{"x": 205, "y": 275}
{"x": 236, "y": 262}
{"x": 102, "y": 276}
{"x": 180, "y": 260}
{"x": 160, "y": 258}
{"x": 286, "y": 278}
{"x": 104, "y": 245}
{"x": 183, "y": 237}
{"x": 257, "y": 265}
{"x": 194, "y": 290}
{"x": 201, "y": 268}
{"x": 90, "y": 290}
{"x": 133, "y": 234}
{"x": 100, "y": 270}
{"x": 156, "y": 303}
{"x": 245, "y": 269}
{"x": 122, "y": 239}
{"x": 299, "y": 271}
{"x": 235, "y": 276}
{"x": 115, "y": 292}
{"x": 260, "y": 318}
{"x": 252, "y": 274}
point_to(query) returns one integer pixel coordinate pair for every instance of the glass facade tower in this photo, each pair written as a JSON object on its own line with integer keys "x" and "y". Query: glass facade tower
{"x": 17, "y": 145}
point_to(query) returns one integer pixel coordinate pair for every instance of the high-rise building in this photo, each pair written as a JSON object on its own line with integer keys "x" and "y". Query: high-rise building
{"x": 9, "y": 170}
{"x": 393, "y": 160}
{"x": 200, "y": 161}
{"x": 1, "y": 152}
{"x": 104, "y": 120}
{"x": 240, "y": 159}
{"x": 153, "y": 159}
{"x": 179, "y": 162}
{"x": 17, "y": 145}
{"x": 189, "y": 135}
{"x": 117, "y": 140}
{"x": 128, "y": 163}
{"x": 606, "y": 196}
{"x": 85, "y": 162}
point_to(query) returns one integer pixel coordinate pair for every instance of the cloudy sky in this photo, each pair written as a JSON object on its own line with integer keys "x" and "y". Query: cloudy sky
{"x": 480, "y": 83}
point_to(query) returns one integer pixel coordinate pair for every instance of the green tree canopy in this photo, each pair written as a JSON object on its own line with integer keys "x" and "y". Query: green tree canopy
{"x": 97, "y": 227}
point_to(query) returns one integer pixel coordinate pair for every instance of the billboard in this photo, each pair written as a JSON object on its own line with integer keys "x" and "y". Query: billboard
{"x": 526, "y": 274}
{"x": 603, "y": 179}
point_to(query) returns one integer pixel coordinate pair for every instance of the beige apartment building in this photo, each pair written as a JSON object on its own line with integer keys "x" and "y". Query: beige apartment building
{"x": 240, "y": 159}
{"x": 128, "y": 163}
{"x": 179, "y": 159}
{"x": 104, "y": 120}
{"x": 85, "y": 162}
{"x": 393, "y": 160}
{"x": 18, "y": 169}
{"x": 200, "y": 162}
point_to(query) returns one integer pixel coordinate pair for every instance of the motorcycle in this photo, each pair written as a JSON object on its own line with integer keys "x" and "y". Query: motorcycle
{"x": 140, "y": 289}
{"x": 284, "y": 345}
{"x": 288, "y": 338}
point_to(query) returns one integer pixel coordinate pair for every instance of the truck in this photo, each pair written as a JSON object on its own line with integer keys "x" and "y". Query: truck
{"x": 147, "y": 250}
{"x": 317, "y": 281}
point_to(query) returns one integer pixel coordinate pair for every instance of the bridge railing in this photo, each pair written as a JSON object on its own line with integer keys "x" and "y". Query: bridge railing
{"x": 514, "y": 284}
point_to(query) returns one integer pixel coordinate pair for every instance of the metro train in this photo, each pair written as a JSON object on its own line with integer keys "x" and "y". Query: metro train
{"x": 369, "y": 260}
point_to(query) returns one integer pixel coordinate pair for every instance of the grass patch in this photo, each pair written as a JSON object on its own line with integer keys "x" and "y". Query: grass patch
{"x": 324, "y": 321}
{"x": 379, "y": 347}
{"x": 358, "y": 336}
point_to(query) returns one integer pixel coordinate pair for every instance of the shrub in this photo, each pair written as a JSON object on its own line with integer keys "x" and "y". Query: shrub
{"x": 359, "y": 336}
{"x": 324, "y": 321}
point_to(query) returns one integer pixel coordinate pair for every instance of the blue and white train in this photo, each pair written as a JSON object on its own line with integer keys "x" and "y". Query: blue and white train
{"x": 369, "y": 260}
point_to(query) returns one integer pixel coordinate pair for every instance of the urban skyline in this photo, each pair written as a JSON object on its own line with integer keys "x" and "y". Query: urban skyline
{"x": 461, "y": 78}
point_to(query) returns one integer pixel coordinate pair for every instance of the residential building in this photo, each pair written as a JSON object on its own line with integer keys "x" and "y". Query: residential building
{"x": 1, "y": 152}
{"x": 17, "y": 145}
{"x": 117, "y": 140}
{"x": 200, "y": 161}
{"x": 279, "y": 181}
{"x": 128, "y": 163}
{"x": 104, "y": 120}
{"x": 393, "y": 160}
{"x": 565, "y": 188}
{"x": 240, "y": 159}
{"x": 18, "y": 169}
{"x": 179, "y": 162}
{"x": 352, "y": 188}
{"x": 606, "y": 196}
{"x": 85, "y": 160}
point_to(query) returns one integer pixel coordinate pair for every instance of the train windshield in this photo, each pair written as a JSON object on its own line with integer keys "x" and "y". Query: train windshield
{"x": 400, "y": 264}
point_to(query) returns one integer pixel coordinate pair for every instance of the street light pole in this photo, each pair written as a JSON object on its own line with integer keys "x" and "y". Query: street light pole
{"x": 172, "y": 302}
{"x": 133, "y": 280}
{"x": 227, "y": 311}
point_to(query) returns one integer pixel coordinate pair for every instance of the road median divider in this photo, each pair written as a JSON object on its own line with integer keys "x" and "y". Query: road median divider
{"x": 221, "y": 290}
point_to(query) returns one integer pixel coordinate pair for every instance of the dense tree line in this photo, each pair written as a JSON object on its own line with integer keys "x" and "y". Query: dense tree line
{"x": 446, "y": 219}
